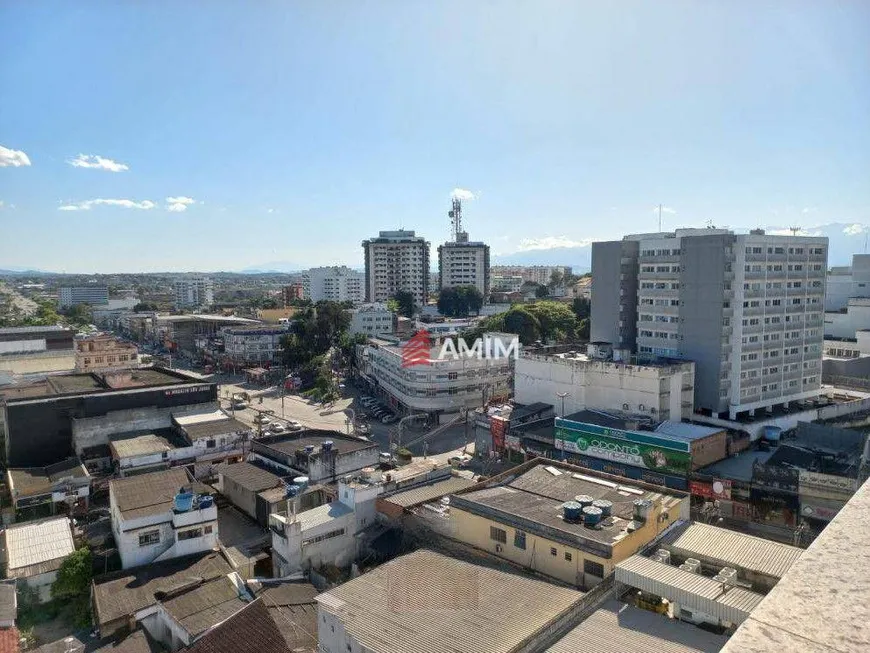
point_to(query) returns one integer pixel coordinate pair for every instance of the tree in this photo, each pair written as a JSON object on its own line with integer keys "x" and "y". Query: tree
{"x": 542, "y": 291}
{"x": 79, "y": 315}
{"x": 74, "y": 575}
{"x": 521, "y": 322}
{"x": 582, "y": 308}
{"x": 405, "y": 301}
{"x": 313, "y": 332}
{"x": 144, "y": 307}
{"x": 460, "y": 301}
{"x": 556, "y": 320}
{"x": 583, "y": 329}
{"x": 557, "y": 278}
{"x": 269, "y": 304}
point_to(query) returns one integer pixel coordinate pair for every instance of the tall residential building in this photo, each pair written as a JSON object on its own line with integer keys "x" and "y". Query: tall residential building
{"x": 396, "y": 260}
{"x": 93, "y": 295}
{"x": 291, "y": 293}
{"x": 464, "y": 264}
{"x": 337, "y": 284}
{"x": 747, "y": 309}
{"x": 194, "y": 292}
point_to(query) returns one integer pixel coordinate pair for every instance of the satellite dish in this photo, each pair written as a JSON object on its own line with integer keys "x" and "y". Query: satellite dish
{"x": 718, "y": 488}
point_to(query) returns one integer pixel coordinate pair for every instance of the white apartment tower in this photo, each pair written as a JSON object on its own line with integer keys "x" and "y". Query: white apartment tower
{"x": 747, "y": 309}
{"x": 336, "y": 284}
{"x": 396, "y": 260}
{"x": 194, "y": 292}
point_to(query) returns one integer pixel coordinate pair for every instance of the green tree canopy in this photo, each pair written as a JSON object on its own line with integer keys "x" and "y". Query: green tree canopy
{"x": 520, "y": 321}
{"x": 460, "y": 301}
{"x": 557, "y": 321}
{"x": 582, "y": 307}
{"x": 405, "y": 303}
{"x": 313, "y": 332}
{"x": 74, "y": 576}
{"x": 542, "y": 291}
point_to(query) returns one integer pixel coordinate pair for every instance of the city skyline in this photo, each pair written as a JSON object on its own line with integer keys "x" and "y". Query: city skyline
{"x": 226, "y": 140}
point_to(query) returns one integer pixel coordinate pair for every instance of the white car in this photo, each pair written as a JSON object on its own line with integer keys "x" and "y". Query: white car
{"x": 293, "y": 423}
{"x": 276, "y": 427}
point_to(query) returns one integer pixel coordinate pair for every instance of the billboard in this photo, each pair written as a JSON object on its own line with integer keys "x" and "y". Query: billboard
{"x": 498, "y": 427}
{"x": 826, "y": 485}
{"x": 626, "y": 447}
{"x": 720, "y": 490}
{"x": 628, "y": 471}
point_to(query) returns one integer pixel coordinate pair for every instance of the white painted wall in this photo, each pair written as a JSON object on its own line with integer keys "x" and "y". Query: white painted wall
{"x": 846, "y": 325}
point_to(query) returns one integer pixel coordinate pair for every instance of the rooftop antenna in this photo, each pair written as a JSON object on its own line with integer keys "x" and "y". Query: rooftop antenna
{"x": 455, "y": 214}
{"x": 794, "y": 230}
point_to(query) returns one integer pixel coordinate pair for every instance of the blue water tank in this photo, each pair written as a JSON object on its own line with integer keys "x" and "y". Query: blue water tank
{"x": 572, "y": 511}
{"x": 584, "y": 500}
{"x": 183, "y": 500}
{"x": 327, "y": 445}
{"x": 291, "y": 490}
{"x": 772, "y": 434}
{"x": 301, "y": 481}
{"x": 206, "y": 501}
{"x": 605, "y": 506}
{"x": 591, "y": 515}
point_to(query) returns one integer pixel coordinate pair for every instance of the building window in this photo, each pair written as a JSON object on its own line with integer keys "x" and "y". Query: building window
{"x": 149, "y": 538}
{"x": 209, "y": 444}
{"x": 593, "y": 568}
{"x": 497, "y": 534}
{"x": 567, "y": 556}
{"x": 207, "y": 529}
{"x": 191, "y": 534}
{"x": 520, "y": 539}
{"x": 553, "y": 551}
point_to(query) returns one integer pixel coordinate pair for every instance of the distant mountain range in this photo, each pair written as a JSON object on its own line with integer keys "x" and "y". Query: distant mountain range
{"x": 274, "y": 267}
{"x": 845, "y": 239}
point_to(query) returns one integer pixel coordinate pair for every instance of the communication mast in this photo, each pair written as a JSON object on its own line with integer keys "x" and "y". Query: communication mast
{"x": 459, "y": 236}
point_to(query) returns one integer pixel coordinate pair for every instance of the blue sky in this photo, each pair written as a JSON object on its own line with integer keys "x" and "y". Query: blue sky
{"x": 300, "y": 128}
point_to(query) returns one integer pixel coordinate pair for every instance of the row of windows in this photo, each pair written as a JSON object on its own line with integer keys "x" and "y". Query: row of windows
{"x": 660, "y": 252}
{"x": 500, "y": 535}
{"x": 781, "y": 250}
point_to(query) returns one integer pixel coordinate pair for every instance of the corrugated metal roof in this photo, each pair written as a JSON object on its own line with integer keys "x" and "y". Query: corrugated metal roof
{"x": 30, "y": 546}
{"x": 685, "y": 431}
{"x": 323, "y": 514}
{"x": 425, "y": 601}
{"x": 728, "y": 548}
{"x": 618, "y": 627}
{"x": 688, "y": 589}
{"x": 430, "y": 492}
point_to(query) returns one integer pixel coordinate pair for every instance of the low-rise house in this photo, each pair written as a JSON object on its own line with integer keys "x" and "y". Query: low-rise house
{"x": 146, "y": 452}
{"x": 159, "y": 516}
{"x": 321, "y": 455}
{"x": 33, "y": 552}
{"x": 215, "y": 438}
{"x": 175, "y": 602}
{"x": 64, "y": 487}
{"x": 8, "y": 605}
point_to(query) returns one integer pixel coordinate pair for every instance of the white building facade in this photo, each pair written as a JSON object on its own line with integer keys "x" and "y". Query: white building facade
{"x": 194, "y": 292}
{"x": 464, "y": 264}
{"x": 254, "y": 345}
{"x": 91, "y": 295}
{"x": 442, "y": 386}
{"x": 396, "y": 260}
{"x": 372, "y": 320}
{"x": 336, "y": 284}
{"x": 843, "y": 283}
{"x": 662, "y": 391}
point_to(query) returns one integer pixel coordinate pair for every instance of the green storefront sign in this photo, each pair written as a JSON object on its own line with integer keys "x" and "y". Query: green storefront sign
{"x": 627, "y": 447}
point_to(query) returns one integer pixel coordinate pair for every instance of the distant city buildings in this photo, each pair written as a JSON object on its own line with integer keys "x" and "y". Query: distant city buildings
{"x": 91, "y": 295}
{"x": 335, "y": 284}
{"x": 194, "y": 292}
{"x": 540, "y": 274}
{"x": 506, "y": 282}
{"x": 747, "y": 309}
{"x": 291, "y": 293}
{"x": 394, "y": 261}
{"x": 847, "y": 302}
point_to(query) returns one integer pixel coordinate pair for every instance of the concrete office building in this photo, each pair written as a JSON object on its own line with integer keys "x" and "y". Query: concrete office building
{"x": 194, "y": 292}
{"x": 93, "y": 295}
{"x": 747, "y": 309}
{"x": 254, "y": 344}
{"x": 372, "y": 320}
{"x": 396, "y": 260}
{"x": 844, "y": 282}
{"x": 464, "y": 263}
{"x": 335, "y": 284}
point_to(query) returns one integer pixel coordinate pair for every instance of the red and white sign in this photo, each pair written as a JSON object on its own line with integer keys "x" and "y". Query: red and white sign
{"x": 716, "y": 490}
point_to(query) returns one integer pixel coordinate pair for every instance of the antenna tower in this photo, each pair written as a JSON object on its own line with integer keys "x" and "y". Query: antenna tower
{"x": 456, "y": 219}
{"x": 794, "y": 230}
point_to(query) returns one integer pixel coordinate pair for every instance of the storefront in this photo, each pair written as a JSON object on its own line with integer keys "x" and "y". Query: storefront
{"x": 823, "y": 495}
{"x": 774, "y": 494}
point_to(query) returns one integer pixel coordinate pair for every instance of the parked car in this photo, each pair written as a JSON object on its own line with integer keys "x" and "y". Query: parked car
{"x": 240, "y": 405}
{"x": 294, "y": 423}
{"x": 277, "y": 427}
{"x": 385, "y": 458}
{"x": 389, "y": 419}
{"x": 262, "y": 419}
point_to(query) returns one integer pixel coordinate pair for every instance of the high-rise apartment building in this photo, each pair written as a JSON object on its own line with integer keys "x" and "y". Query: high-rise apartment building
{"x": 747, "y": 309}
{"x": 337, "y": 284}
{"x": 396, "y": 260}
{"x": 91, "y": 295}
{"x": 194, "y": 292}
{"x": 464, "y": 264}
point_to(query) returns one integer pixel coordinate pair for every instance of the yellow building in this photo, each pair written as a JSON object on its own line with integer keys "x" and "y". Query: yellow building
{"x": 532, "y": 520}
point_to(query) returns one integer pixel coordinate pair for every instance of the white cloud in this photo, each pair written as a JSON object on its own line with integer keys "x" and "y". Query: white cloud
{"x": 792, "y": 232}
{"x": 12, "y": 158}
{"x": 179, "y": 204}
{"x": 97, "y": 162}
{"x": 550, "y": 242}
{"x": 809, "y": 209}
{"x": 88, "y": 204}
{"x": 856, "y": 229}
{"x": 665, "y": 209}
{"x": 462, "y": 194}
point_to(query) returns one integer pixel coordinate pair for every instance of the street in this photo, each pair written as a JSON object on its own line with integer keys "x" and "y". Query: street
{"x": 335, "y": 416}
